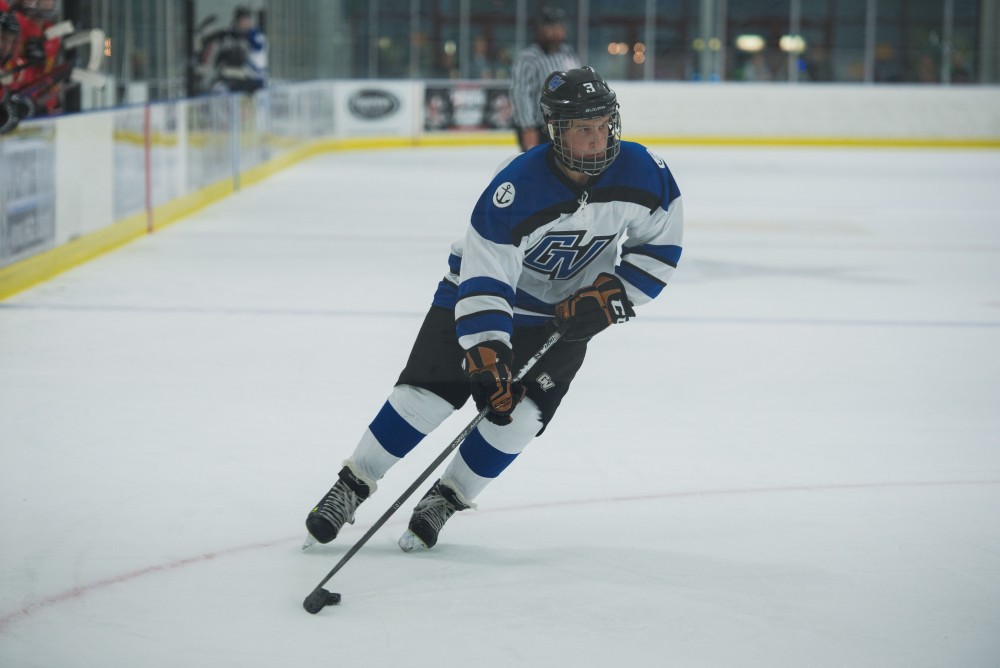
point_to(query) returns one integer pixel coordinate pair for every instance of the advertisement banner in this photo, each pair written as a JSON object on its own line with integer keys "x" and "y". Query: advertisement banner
{"x": 467, "y": 105}
{"x": 368, "y": 108}
{"x": 27, "y": 191}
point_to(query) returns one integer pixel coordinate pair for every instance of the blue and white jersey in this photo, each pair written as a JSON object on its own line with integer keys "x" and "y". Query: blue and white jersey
{"x": 536, "y": 238}
{"x": 257, "y": 53}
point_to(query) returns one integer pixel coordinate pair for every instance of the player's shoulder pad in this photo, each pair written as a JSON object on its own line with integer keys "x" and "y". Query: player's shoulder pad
{"x": 522, "y": 190}
{"x": 514, "y": 186}
{"x": 637, "y": 168}
{"x": 641, "y": 156}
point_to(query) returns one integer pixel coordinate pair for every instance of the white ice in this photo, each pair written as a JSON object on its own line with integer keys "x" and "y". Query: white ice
{"x": 791, "y": 458}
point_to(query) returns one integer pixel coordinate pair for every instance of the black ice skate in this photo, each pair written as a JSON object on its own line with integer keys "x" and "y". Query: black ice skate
{"x": 438, "y": 504}
{"x": 337, "y": 507}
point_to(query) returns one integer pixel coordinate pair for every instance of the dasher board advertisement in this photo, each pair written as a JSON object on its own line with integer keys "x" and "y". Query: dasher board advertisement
{"x": 371, "y": 108}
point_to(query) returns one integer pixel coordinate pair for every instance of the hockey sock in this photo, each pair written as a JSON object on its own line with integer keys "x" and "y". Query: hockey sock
{"x": 409, "y": 414}
{"x": 490, "y": 449}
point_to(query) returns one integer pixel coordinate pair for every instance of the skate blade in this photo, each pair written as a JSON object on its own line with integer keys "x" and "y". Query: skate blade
{"x": 409, "y": 542}
{"x": 310, "y": 541}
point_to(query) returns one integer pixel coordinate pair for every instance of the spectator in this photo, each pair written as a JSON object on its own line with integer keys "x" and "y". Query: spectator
{"x": 483, "y": 66}
{"x": 30, "y": 76}
{"x": 10, "y": 31}
{"x": 959, "y": 70}
{"x": 756, "y": 68}
{"x": 41, "y": 79}
{"x": 10, "y": 65}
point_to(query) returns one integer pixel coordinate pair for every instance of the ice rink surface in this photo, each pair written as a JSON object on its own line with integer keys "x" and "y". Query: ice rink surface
{"x": 791, "y": 458}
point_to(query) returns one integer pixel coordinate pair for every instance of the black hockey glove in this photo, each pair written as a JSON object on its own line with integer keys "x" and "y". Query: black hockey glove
{"x": 488, "y": 368}
{"x": 593, "y": 309}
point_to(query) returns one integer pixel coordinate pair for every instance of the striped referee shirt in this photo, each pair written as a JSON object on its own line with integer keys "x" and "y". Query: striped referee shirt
{"x": 530, "y": 69}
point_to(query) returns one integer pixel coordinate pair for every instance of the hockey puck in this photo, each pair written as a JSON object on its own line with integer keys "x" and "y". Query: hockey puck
{"x": 319, "y": 599}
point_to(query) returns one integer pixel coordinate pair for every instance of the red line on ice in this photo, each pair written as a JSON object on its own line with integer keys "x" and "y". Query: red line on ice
{"x": 78, "y": 592}
{"x": 28, "y": 609}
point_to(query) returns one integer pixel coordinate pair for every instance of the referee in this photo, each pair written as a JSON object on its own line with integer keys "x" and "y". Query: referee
{"x": 548, "y": 54}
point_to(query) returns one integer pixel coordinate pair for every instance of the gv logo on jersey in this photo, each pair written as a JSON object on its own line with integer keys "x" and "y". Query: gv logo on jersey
{"x": 563, "y": 255}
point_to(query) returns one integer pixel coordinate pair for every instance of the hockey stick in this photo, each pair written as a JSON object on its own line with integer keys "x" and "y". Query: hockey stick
{"x": 319, "y": 598}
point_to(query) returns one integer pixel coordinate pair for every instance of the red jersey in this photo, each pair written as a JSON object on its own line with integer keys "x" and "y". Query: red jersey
{"x": 37, "y": 73}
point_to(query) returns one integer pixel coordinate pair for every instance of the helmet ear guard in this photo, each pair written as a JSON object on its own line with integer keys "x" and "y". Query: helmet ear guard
{"x": 579, "y": 94}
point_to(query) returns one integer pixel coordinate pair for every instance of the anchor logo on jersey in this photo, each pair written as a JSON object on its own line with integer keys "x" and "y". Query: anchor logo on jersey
{"x": 563, "y": 255}
{"x": 504, "y": 195}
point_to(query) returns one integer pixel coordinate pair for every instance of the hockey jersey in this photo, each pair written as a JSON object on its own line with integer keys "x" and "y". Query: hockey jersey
{"x": 536, "y": 237}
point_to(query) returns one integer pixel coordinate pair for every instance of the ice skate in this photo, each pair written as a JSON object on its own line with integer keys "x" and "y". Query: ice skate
{"x": 337, "y": 507}
{"x": 429, "y": 516}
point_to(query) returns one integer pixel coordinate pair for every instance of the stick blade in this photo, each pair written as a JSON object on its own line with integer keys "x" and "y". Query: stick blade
{"x": 318, "y": 599}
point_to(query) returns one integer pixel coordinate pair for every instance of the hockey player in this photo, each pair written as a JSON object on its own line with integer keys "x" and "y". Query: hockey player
{"x": 239, "y": 55}
{"x": 255, "y": 44}
{"x": 542, "y": 249}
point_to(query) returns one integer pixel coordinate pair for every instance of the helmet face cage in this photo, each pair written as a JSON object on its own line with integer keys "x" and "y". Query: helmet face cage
{"x": 592, "y": 166}
{"x": 575, "y": 95}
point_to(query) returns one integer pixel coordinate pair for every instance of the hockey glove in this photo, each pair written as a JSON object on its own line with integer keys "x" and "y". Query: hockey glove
{"x": 488, "y": 368}
{"x": 593, "y": 309}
